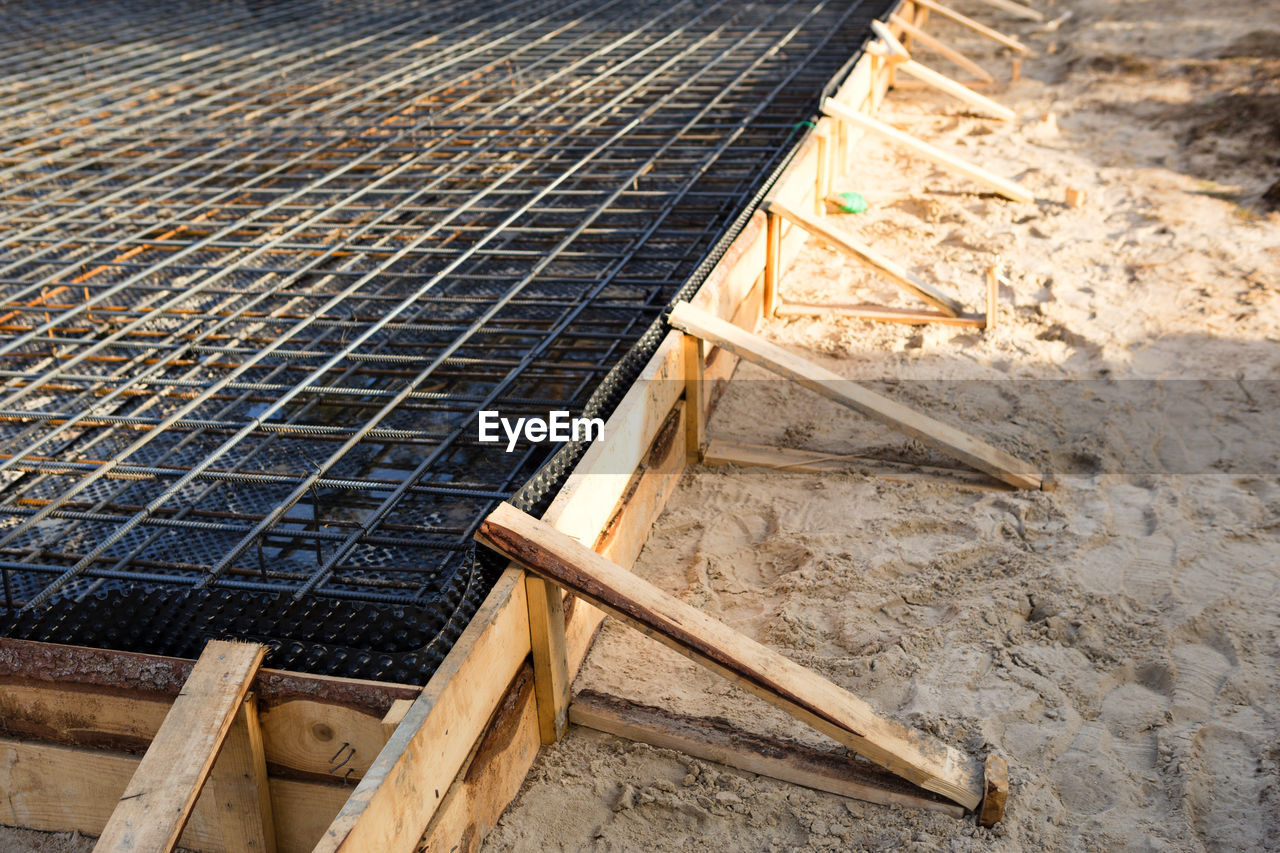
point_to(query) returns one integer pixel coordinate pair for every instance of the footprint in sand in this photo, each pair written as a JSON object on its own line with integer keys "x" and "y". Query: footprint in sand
{"x": 1200, "y": 673}
{"x": 1226, "y": 793}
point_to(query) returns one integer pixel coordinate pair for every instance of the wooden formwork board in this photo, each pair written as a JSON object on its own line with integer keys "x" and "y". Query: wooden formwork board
{"x": 442, "y": 776}
{"x": 74, "y": 723}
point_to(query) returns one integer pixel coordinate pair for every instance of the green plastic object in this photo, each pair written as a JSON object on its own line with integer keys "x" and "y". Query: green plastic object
{"x": 852, "y": 202}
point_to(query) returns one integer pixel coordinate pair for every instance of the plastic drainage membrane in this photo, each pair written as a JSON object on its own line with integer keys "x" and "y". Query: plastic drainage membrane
{"x": 263, "y": 264}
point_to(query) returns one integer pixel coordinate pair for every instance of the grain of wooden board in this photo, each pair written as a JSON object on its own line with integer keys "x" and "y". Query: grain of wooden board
{"x": 925, "y": 429}
{"x": 159, "y": 798}
{"x": 917, "y": 757}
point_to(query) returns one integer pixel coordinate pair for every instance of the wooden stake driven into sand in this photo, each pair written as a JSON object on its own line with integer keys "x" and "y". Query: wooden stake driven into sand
{"x": 915, "y": 756}
{"x": 955, "y": 443}
{"x": 1003, "y": 186}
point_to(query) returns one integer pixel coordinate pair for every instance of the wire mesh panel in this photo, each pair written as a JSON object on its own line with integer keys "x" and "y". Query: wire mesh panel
{"x": 263, "y": 264}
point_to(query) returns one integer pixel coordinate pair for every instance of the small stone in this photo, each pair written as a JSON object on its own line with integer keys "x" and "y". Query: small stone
{"x": 626, "y": 799}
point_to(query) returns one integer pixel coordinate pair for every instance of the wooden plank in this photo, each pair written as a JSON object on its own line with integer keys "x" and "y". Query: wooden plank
{"x": 303, "y": 811}
{"x": 946, "y": 438}
{"x": 238, "y": 786}
{"x": 550, "y": 664}
{"x": 941, "y": 48}
{"x": 864, "y": 253}
{"x": 880, "y": 314}
{"x": 993, "y": 293}
{"x": 118, "y": 700}
{"x": 695, "y": 355}
{"x": 492, "y": 776}
{"x": 300, "y": 735}
{"x": 159, "y": 798}
{"x": 822, "y": 181}
{"x": 397, "y": 797}
{"x": 713, "y": 739}
{"x": 983, "y": 29}
{"x": 743, "y": 454}
{"x": 915, "y": 756}
{"x": 305, "y": 737}
{"x": 54, "y": 788}
{"x": 1003, "y": 186}
{"x": 772, "y": 262}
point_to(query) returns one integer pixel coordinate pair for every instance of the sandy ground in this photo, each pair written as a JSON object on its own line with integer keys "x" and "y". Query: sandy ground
{"x": 1114, "y": 639}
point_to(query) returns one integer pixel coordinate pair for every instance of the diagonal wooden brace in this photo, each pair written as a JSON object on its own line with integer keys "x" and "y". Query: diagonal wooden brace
{"x": 948, "y": 305}
{"x": 915, "y": 756}
{"x": 1003, "y": 186}
{"x": 944, "y": 437}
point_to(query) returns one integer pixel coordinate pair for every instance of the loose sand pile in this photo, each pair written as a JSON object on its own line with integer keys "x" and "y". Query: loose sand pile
{"x": 1115, "y": 639}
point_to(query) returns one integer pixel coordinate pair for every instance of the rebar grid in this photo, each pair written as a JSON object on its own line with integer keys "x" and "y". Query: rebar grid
{"x": 263, "y": 264}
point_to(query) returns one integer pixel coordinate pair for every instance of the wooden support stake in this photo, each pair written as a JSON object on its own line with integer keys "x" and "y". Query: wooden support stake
{"x": 942, "y": 49}
{"x": 864, "y": 253}
{"x": 158, "y": 800}
{"x": 1003, "y": 186}
{"x": 1008, "y": 41}
{"x": 772, "y": 262}
{"x": 715, "y": 740}
{"x": 822, "y": 173}
{"x": 917, "y": 757}
{"x": 695, "y": 411}
{"x": 993, "y": 286}
{"x": 551, "y": 683}
{"x": 239, "y": 786}
{"x": 1016, "y": 9}
{"x": 946, "y": 438}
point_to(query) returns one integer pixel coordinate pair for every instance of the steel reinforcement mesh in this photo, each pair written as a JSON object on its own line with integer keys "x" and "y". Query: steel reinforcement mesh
{"x": 264, "y": 262}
